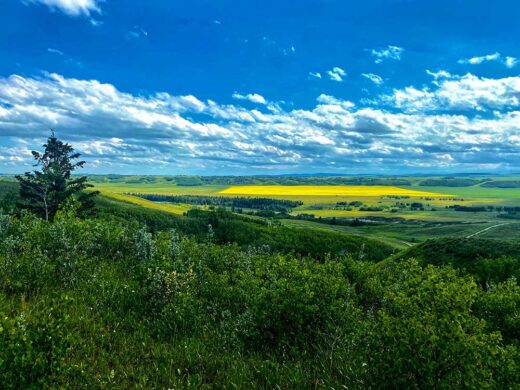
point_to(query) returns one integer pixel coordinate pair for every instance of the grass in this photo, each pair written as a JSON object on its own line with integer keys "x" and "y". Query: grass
{"x": 509, "y": 195}
{"x": 404, "y": 233}
{"x": 167, "y": 207}
{"x": 162, "y": 188}
{"x": 302, "y": 224}
{"x": 372, "y": 191}
{"x": 321, "y": 201}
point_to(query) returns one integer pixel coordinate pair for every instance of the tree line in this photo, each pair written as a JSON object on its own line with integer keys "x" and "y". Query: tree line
{"x": 279, "y": 205}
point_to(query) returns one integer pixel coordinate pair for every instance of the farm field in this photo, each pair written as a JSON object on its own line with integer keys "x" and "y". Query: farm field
{"x": 346, "y": 191}
{"x": 168, "y": 207}
{"x": 399, "y": 215}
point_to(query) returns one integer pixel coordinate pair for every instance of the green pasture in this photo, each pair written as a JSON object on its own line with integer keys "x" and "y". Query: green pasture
{"x": 436, "y": 208}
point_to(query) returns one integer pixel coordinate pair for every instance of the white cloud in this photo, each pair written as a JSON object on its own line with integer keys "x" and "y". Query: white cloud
{"x": 315, "y": 74}
{"x": 54, "y": 51}
{"x": 120, "y": 131}
{"x": 440, "y": 74}
{"x": 72, "y": 7}
{"x": 252, "y": 97}
{"x": 390, "y": 52}
{"x": 509, "y": 62}
{"x": 378, "y": 80}
{"x": 334, "y": 102}
{"x": 479, "y": 60}
{"x": 466, "y": 92}
{"x": 336, "y": 74}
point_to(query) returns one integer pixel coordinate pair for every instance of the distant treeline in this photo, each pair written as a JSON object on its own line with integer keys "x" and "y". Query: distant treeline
{"x": 481, "y": 209}
{"x": 369, "y": 220}
{"x": 449, "y": 182}
{"x": 502, "y": 184}
{"x": 252, "y": 180}
{"x": 280, "y": 205}
{"x": 303, "y": 180}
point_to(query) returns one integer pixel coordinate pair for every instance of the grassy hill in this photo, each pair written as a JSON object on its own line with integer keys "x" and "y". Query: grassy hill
{"x": 488, "y": 259}
{"x": 139, "y": 295}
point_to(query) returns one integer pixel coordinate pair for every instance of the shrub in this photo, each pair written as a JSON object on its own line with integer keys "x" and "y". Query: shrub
{"x": 34, "y": 347}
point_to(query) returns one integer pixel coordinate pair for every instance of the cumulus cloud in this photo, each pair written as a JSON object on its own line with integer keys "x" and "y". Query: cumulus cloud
{"x": 252, "y": 97}
{"x": 390, "y": 53}
{"x": 467, "y": 93}
{"x": 122, "y": 132}
{"x": 509, "y": 62}
{"x": 72, "y": 7}
{"x": 336, "y": 74}
{"x": 378, "y": 80}
{"x": 315, "y": 75}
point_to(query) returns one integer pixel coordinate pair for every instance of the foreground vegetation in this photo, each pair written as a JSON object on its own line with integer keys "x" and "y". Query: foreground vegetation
{"x": 103, "y": 303}
{"x": 149, "y": 291}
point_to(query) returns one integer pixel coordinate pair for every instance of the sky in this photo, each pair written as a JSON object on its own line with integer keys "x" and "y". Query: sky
{"x": 240, "y": 87}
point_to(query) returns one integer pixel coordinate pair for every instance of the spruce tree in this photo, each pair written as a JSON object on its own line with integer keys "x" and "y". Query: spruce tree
{"x": 44, "y": 191}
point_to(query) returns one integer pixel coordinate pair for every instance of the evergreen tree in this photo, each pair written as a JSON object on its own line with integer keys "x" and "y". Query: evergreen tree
{"x": 46, "y": 190}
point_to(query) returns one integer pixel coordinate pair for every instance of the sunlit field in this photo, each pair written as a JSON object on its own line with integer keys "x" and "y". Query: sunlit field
{"x": 387, "y": 208}
{"x": 371, "y": 191}
{"x": 168, "y": 207}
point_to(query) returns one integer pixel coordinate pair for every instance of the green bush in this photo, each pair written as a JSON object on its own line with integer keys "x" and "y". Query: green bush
{"x": 419, "y": 331}
{"x": 107, "y": 303}
{"x": 34, "y": 347}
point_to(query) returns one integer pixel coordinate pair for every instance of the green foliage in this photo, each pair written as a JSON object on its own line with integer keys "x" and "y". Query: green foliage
{"x": 34, "y": 347}
{"x": 245, "y": 231}
{"x": 45, "y": 191}
{"x": 109, "y": 303}
{"x": 188, "y": 181}
{"x": 487, "y": 259}
{"x": 140, "y": 298}
{"x": 500, "y": 307}
{"x": 450, "y": 182}
{"x": 280, "y": 205}
{"x": 502, "y": 184}
{"x": 8, "y": 196}
{"x": 423, "y": 334}
{"x": 35, "y": 254}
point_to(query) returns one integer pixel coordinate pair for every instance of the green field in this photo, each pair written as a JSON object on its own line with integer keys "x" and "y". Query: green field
{"x": 384, "y": 208}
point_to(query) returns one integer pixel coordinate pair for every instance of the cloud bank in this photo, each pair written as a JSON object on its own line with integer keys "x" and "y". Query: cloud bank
{"x": 458, "y": 122}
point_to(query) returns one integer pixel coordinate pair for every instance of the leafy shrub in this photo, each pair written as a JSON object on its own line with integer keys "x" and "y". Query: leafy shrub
{"x": 164, "y": 310}
{"x": 420, "y": 331}
{"x": 500, "y": 307}
{"x": 487, "y": 259}
{"x": 34, "y": 346}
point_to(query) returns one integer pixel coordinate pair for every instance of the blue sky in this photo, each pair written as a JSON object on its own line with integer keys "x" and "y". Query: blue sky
{"x": 263, "y": 87}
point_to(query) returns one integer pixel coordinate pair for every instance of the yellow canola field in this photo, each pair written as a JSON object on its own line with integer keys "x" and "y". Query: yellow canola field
{"x": 327, "y": 191}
